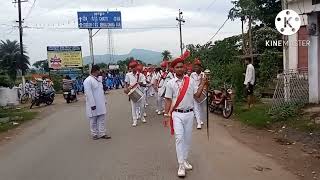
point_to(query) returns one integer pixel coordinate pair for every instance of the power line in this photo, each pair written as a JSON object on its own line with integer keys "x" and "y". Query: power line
{"x": 30, "y": 10}
{"x": 219, "y": 29}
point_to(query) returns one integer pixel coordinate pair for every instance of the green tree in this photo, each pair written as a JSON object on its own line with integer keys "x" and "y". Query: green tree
{"x": 42, "y": 65}
{"x": 11, "y": 60}
{"x": 166, "y": 54}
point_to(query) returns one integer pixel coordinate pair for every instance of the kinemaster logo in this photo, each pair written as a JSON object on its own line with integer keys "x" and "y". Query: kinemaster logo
{"x": 288, "y": 23}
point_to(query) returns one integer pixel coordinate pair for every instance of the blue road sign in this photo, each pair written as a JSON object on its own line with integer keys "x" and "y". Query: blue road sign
{"x": 100, "y": 20}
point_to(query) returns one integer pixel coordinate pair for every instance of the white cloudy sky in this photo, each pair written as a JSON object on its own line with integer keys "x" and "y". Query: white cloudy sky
{"x": 203, "y": 18}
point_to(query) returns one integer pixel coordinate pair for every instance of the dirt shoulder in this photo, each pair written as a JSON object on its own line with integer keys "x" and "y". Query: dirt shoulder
{"x": 293, "y": 155}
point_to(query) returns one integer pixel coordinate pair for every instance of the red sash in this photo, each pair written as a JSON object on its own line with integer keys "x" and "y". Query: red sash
{"x": 182, "y": 93}
{"x": 162, "y": 78}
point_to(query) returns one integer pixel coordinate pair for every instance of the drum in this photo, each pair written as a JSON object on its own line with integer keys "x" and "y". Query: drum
{"x": 202, "y": 98}
{"x": 135, "y": 94}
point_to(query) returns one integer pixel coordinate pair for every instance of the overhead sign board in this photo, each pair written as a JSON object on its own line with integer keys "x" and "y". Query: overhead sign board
{"x": 113, "y": 67}
{"x": 100, "y": 20}
{"x": 64, "y": 57}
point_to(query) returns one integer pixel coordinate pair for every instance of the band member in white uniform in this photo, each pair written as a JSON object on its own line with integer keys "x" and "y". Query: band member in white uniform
{"x": 96, "y": 104}
{"x": 179, "y": 106}
{"x": 132, "y": 80}
{"x": 199, "y": 108}
{"x": 162, "y": 80}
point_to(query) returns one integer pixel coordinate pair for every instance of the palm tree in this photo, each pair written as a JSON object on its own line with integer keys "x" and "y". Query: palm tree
{"x": 166, "y": 54}
{"x": 11, "y": 60}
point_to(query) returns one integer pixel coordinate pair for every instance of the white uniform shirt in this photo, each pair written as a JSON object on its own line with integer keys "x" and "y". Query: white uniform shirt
{"x": 93, "y": 90}
{"x": 163, "y": 82}
{"x": 250, "y": 75}
{"x": 197, "y": 77}
{"x": 172, "y": 91}
{"x": 132, "y": 79}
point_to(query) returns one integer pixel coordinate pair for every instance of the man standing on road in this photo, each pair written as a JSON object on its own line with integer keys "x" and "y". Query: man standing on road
{"x": 179, "y": 105}
{"x": 249, "y": 81}
{"x": 96, "y": 104}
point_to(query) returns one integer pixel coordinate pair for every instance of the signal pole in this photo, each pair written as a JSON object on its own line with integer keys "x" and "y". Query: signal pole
{"x": 20, "y": 37}
{"x": 180, "y": 21}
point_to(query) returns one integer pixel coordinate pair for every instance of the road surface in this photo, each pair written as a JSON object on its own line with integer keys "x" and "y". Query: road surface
{"x": 58, "y": 147}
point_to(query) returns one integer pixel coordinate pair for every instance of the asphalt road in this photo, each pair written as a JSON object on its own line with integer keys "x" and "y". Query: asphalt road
{"x": 59, "y": 147}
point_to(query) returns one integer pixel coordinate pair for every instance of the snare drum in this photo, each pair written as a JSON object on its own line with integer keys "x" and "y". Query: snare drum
{"x": 202, "y": 98}
{"x": 135, "y": 94}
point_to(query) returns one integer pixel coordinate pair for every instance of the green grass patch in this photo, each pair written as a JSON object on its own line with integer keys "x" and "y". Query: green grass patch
{"x": 16, "y": 115}
{"x": 257, "y": 116}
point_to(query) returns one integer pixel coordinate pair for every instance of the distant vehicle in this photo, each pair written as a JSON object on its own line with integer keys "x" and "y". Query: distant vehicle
{"x": 44, "y": 97}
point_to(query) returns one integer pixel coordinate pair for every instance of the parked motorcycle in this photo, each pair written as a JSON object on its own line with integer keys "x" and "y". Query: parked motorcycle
{"x": 43, "y": 98}
{"x": 221, "y": 101}
{"x": 70, "y": 96}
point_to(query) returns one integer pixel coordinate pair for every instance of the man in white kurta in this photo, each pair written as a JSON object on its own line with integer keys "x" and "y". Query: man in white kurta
{"x": 96, "y": 104}
{"x": 199, "y": 108}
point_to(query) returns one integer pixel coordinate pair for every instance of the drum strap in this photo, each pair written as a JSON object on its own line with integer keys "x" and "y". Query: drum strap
{"x": 182, "y": 93}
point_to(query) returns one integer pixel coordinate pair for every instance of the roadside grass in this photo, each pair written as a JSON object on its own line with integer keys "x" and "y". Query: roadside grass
{"x": 15, "y": 116}
{"x": 259, "y": 117}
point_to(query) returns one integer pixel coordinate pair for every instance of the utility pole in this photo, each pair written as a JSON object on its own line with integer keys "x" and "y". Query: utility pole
{"x": 20, "y": 38}
{"x": 244, "y": 44}
{"x": 180, "y": 21}
{"x": 250, "y": 39}
{"x": 91, "y": 49}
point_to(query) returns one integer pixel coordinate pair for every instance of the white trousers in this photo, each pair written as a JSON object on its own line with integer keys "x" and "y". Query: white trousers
{"x": 200, "y": 111}
{"x": 134, "y": 107}
{"x": 182, "y": 123}
{"x": 97, "y": 125}
{"x": 146, "y": 90}
{"x": 160, "y": 102}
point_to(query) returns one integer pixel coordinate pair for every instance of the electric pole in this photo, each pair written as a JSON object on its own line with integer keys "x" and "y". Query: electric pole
{"x": 180, "y": 21}
{"x": 20, "y": 37}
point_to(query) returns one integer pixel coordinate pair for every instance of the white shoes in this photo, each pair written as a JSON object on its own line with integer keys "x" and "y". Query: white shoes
{"x": 201, "y": 123}
{"x": 199, "y": 126}
{"x": 159, "y": 113}
{"x": 144, "y": 114}
{"x": 147, "y": 104}
{"x": 134, "y": 124}
{"x": 187, "y": 165}
{"x": 181, "y": 171}
{"x": 143, "y": 120}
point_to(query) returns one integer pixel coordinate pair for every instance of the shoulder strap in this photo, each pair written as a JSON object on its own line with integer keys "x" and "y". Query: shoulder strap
{"x": 182, "y": 93}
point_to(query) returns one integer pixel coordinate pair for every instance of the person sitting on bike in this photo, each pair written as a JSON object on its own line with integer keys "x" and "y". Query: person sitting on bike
{"x": 68, "y": 85}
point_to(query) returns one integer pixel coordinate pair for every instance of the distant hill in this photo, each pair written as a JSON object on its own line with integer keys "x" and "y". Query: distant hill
{"x": 147, "y": 56}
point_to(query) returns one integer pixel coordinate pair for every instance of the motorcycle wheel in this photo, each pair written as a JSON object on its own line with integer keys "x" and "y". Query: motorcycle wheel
{"x": 24, "y": 99}
{"x": 68, "y": 100}
{"x": 227, "y": 112}
{"x": 49, "y": 102}
{"x": 32, "y": 103}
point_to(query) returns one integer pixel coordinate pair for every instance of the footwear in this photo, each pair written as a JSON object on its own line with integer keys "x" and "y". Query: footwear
{"x": 201, "y": 123}
{"x": 181, "y": 171}
{"x": 187, "y": 165}
{"x": 105, "y": 137}
{"x": 134, "y": 123}
{"x": 159, "y": 113}
{"x": 95, "y": 137}
{"x": 199, "y": 126}
{"x": 144, "y": 114}
{"x": 143, "y": 120}
{"x": 147, "y": 104}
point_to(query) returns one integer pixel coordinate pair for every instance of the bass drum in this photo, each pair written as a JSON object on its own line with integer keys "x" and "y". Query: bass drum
{"x": 135, "y": 94}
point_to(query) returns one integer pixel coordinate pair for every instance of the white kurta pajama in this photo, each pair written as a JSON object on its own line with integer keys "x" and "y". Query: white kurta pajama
{"x": 199, "y": 108}
{"x": 131, "y": 79}
{"x": 182, "y": 122}
{"x": 94, "y": 93}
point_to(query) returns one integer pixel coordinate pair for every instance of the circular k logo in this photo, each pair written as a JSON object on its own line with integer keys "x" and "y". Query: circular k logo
{"x": 288, "y": 22}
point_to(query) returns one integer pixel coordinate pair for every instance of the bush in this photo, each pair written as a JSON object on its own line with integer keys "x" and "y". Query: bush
{"x": 286, "y": 112}
{"x": 5, "y": 81}
{"x": 57, "y": 82}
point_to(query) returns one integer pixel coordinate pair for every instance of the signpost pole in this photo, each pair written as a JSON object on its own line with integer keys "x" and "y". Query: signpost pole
{"x": 91, "y": 49}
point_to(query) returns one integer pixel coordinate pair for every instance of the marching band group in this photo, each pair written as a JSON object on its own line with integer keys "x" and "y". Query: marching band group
{"x": 179, "y": 95}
